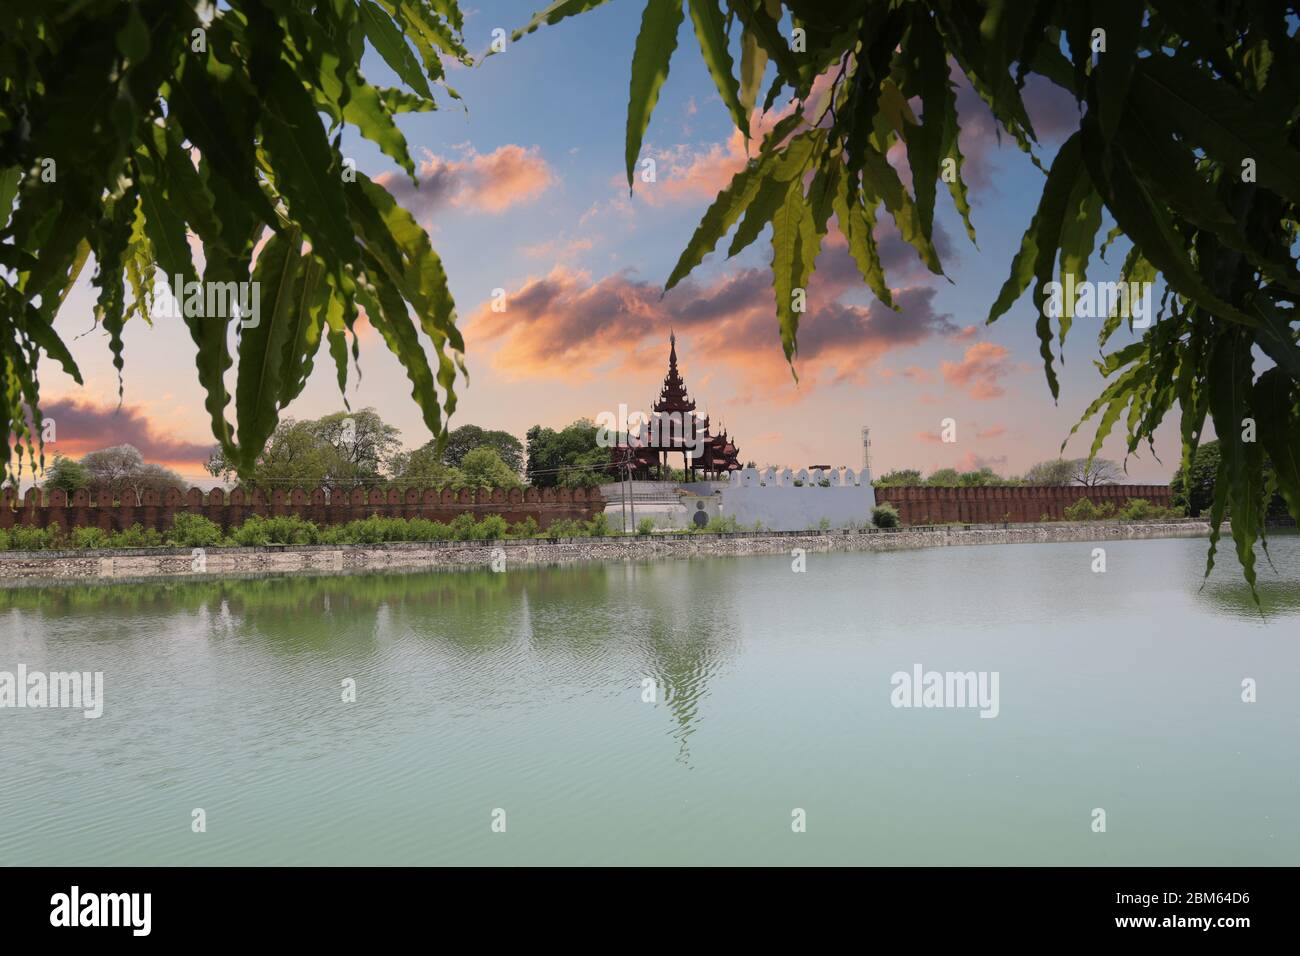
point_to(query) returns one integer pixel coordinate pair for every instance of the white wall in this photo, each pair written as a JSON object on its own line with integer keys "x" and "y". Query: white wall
{"x": 773, "y": 499}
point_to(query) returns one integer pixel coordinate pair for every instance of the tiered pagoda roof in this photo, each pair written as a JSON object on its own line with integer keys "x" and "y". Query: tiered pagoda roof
{"x": 719, "y": 453}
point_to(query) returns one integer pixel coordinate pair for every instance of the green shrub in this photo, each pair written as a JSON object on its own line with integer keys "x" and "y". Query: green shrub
{"x": 525, "y": 529}
{"x": 566, "y": 528}
{"x": 598, "y": 526}
{"x": 645, "y": 526}
{"x": 136, "y": 536}
{"x": 23, "y": 538}
{"x": 491, "y": 528}
{"x": 4, "y": 540}
{"x": 723, "y": 524}
{"x": 282, "y": 529}
{"x": 1139, "y": 509}
{"x": 89, "y": 538}
{"x": 884, "y": 515}
{"x": 462, "y": 527}
{"x": 193, "y": 531}
{"x": 1085, "y": 510}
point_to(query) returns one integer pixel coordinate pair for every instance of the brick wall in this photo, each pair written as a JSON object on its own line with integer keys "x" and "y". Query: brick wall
{"x": 229, "y": 509}
{"x": 925, "y": 505}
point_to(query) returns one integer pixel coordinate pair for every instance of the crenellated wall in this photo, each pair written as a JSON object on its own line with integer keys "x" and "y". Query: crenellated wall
{"x": 323, "y": 506}
{"x": 926, "y": 505}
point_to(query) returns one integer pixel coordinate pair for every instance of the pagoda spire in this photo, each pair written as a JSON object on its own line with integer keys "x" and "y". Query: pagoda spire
{"x": 673, "y": 397}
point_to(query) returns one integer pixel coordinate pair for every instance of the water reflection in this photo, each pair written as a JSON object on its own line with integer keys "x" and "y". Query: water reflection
{"x": 588, "y": 623}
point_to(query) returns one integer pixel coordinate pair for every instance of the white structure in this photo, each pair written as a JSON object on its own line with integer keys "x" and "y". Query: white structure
{"x": 834, "y": 499}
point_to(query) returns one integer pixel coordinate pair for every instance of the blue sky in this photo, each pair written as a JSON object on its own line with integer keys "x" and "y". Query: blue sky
{"x": 525, "y": 192}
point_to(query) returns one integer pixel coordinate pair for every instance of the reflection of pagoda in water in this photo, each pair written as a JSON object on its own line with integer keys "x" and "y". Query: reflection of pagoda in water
{"x": 675, "y": 428}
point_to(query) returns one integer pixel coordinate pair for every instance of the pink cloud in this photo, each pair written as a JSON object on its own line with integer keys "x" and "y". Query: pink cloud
{"x": 495, "y": 181}
{"x": 979, "y": 370}
{"x": 565, "y": 324}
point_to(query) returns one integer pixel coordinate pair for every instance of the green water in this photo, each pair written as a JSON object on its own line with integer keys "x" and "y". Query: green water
{"x": 523, "y": 692}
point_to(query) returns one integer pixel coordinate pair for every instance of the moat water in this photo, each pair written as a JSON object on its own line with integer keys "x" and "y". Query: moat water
{"x": 712, "y": 711}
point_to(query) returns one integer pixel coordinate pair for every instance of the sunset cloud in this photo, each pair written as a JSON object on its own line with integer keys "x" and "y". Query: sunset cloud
{"x": 565, "y": 325}
{"x": 84, "y": 426}
{"x": 495, "y": 181}
{"x": 979, "y": 370}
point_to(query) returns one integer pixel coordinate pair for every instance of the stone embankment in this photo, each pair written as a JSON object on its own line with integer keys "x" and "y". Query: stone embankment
{"x": 34, "y": 566}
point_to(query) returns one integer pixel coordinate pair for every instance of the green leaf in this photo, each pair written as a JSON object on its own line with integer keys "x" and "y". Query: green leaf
{"x": 1240, "y": 473}
{"x": 792, "y": 250}
{"x": 1227, "y": 125}
{"x": 925, "y": 142}
{"x": 1122, "y": 21}
{"x": 556, "y": 12}
{"x": 262, "y": 346}
{"x": 654, "y": 49}
{"x": 387, "y": 313}
{"x": 718, "y": 220}
{"x": 306, "y": 323}
{"x": 388, "y": 40}
{"x": 9, "y": 179}
{"x": 753, "y": 61}
{"x": 307, "y": 173}
{"x": 712, "y": 34}
{"x": 1274, "y": 402}
{"x": 856, "y": 225}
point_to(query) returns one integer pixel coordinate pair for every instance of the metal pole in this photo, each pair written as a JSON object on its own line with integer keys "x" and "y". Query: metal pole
{"x": 631, "y": 495}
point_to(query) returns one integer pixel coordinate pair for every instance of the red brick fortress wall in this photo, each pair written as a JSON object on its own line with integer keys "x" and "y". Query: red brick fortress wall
{"x": 925, "y": 505}
{"x": 229, "y": 509}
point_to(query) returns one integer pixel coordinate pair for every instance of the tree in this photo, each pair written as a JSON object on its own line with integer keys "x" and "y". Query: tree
{"x": 905, "y": 476}
{"x": 1186, "y": 138}
{"x": 1091, "y": 472}
{"x": 363, "y": 444}
{"x": 483, "y": 468}
{"x": 1058, "y": 471}
{"x": 1193, "y": 489}
{"x": 125, "y": 128}
{"x": 569, "y": 458}
{"x": 423, "y": 468}
{"x": 66, "y": 474}
{"x": 123, "y": 471}
{"x": 111, "y": 469}
{"x": 344, "y": 450}
{"x": 461, "y": 441}
{"x": 1196, "y": 493}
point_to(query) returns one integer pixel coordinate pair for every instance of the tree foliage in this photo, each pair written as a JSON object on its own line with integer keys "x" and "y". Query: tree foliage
{"x": 66, "y": 474}
{"x": 344, "y": 450}
{"x": 568, "y": 458}
{"x": 483, "y": 468}
{"x": 128, "y": 129}
{"x": 464, "y": 439}
{"x": 123, "y": 471}
{"x": 1186, "y": 137}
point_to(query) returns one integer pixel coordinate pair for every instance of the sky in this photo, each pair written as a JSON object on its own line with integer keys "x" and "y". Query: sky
{"x": 524, "y": 190}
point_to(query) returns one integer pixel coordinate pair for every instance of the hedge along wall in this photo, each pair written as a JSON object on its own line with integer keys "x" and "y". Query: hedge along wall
{"x": 925, "y": 505}
{"x": 323, "y": 506}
